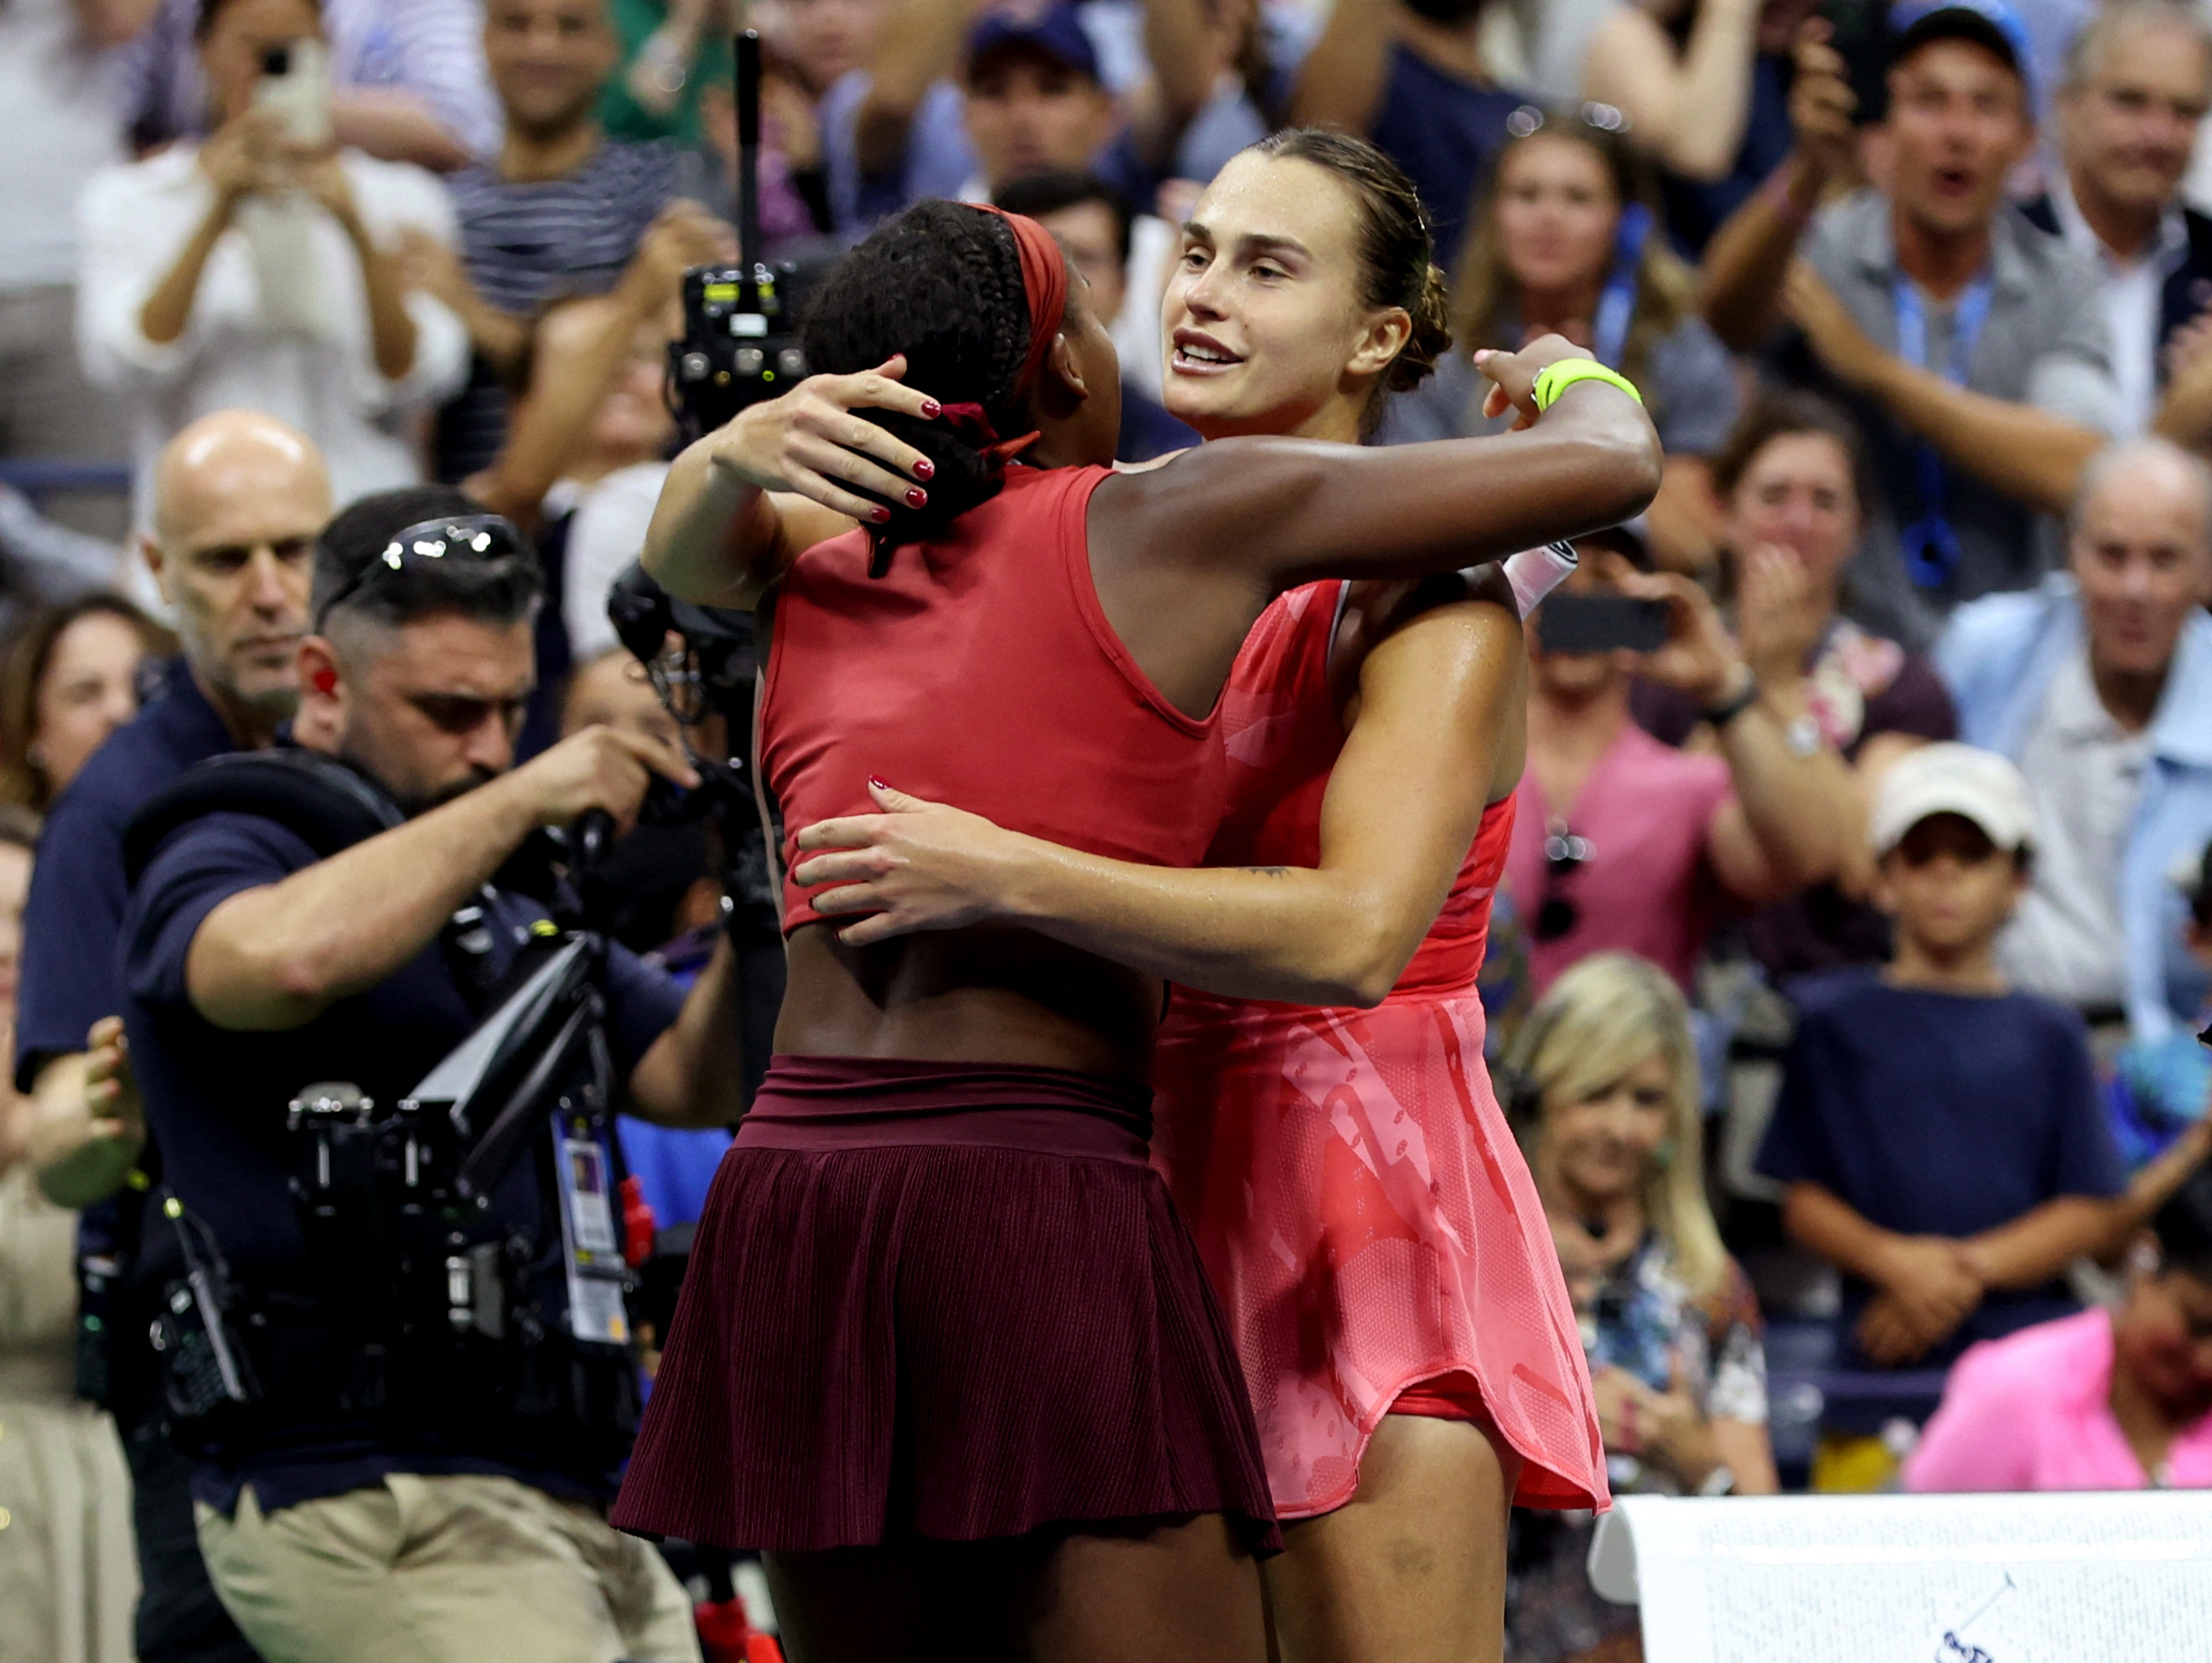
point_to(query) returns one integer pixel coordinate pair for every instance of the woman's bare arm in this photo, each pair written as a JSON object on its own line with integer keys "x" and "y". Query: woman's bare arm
{"x": 742, "y": 503}
{"x": 1283, "y": 512}
{"x": 1435, "y": 736}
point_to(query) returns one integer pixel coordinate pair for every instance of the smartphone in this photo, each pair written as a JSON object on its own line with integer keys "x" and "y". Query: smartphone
{"x": 1862, "y": 40}
{"x": 295, "y": 84}
{"x": 1602, "y": 623}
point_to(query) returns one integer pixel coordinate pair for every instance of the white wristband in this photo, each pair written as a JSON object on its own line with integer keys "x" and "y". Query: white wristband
{"x": 1534, "y": 573}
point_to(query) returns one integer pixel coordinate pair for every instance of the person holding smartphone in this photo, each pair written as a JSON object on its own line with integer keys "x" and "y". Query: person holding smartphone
{"x": 258, "y": 270}
{"x": 1623, "y": 843}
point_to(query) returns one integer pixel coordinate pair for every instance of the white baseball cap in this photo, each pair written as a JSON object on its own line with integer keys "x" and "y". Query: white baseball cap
{"x": 1978, "y": 786}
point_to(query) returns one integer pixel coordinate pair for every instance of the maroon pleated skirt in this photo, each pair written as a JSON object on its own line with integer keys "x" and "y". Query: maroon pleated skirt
{"x": 945, "y": 1301}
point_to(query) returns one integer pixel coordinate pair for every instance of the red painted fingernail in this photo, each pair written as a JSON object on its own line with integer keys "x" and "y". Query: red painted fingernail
{"x": 877, "y": 783}
{"x": 881, "y": 516}
{"x": 925, "y": 469}
{"x": 931, "y": 410}
{"x": 916, "y": 496}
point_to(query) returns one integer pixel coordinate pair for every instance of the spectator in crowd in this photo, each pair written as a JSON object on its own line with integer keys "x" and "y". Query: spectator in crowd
{"x": 1620, "y": 841}
{"x": 2098, "y": 685}
{"x": 239, "y": 498}
{"x": 562, "y": 209}
{"x": 1223, "y": 73}
{"x": 1093, "y": 223}
{"x": 253, "y": 272}
{"x": 582, "y": 469}
{"x": 58, "y": 126}
{"x": 2138, "y": 80}
{"x": 1568, "y": 242}
{"x": 1604, "y": 1079}
{"x": 1030, "y": 97}
{"x": 67, "y": 1581}
{"x": 1409, "y": 75}
{"x": 69, "y": 678}
{"x": 1789, "y": 484}
{"x": 1705, "y": 85}
{"x": 407, "y": 80}
{"x": 811, "y": 46}
{"x": 1938, "y": 1132}
{"x": 1970, "y": 347}
{"x": 675, "y": 66}
{"x": 2107, "y": 1399}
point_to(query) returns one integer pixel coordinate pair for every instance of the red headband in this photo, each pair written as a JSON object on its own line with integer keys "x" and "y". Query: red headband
{"x": 1044, "y": 280}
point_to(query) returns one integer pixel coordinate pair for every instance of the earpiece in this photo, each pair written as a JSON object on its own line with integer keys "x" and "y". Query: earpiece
{"x": 324, "y": 681}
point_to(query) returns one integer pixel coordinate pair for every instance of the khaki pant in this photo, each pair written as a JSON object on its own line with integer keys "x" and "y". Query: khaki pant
{"x": 461, "y": 1569}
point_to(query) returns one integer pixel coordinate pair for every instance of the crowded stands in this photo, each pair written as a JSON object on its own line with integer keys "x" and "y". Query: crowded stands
{"x": 1856, "y": 921}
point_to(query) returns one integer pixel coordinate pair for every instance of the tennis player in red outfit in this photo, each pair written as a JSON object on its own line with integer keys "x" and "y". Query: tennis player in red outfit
{"x": 946, "y": 1352}
{"x": 1365, "y": 1214}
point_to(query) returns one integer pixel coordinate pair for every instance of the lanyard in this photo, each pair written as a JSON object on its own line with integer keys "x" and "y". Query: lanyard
{"x": 1929, "y": 545}
{"x": 1616, "y": 303}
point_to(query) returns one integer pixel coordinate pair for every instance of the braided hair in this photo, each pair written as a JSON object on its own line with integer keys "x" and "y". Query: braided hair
{"x": 941, "y": 283}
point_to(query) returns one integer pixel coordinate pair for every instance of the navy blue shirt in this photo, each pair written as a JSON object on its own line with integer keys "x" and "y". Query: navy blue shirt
{"x": 1444, "y": 132}
{"x": 1934, "y": 1113}
{"x": 215, "y": 1102}
{"x": 75, "y": 912}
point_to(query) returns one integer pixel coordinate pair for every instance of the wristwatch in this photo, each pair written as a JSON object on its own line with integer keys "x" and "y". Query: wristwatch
{"x": 1733, "y": 705}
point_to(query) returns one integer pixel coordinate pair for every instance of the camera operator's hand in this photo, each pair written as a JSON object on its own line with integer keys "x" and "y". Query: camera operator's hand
{"x": 809, "y": 443}
{"x": 1513, "y": 374}
{"x": 599, "y": 767}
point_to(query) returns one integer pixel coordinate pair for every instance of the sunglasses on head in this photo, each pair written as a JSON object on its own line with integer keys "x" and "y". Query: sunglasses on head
{"x": 485, "y": 539}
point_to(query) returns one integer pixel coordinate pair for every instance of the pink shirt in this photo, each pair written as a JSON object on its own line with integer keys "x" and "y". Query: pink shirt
{"x": 2032, "y": 1412}
{"x": 1646, "y": 889}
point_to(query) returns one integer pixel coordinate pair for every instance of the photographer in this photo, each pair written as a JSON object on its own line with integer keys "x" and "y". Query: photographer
{"x": 331, "y": 1529}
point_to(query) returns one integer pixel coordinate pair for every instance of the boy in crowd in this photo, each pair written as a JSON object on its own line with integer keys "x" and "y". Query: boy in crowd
{"x": 1940, "y": 1134}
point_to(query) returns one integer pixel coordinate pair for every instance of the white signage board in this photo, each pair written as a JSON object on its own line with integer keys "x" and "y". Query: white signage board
{"x": 2122, "y": 1577}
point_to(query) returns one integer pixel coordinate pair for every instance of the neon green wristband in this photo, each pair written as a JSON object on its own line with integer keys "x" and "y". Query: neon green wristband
{"x": 1555, "y": 379}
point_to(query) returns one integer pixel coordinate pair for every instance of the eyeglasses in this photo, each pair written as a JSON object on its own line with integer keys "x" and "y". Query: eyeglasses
{"x": 1566, "y": 852}
{"x": 1530, "y": 117}
{"x": 485, "y": 539}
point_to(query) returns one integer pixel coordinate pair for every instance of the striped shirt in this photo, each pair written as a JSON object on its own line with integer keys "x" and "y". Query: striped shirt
{"x": 526, "y": 244}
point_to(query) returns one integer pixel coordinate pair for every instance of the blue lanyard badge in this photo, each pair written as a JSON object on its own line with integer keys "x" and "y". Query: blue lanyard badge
{"x": 1929, "y": 545}
{"x": 1616, "y": 303}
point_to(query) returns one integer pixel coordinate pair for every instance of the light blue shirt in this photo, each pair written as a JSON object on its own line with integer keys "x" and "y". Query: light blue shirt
{"x": 1999, "y": 656}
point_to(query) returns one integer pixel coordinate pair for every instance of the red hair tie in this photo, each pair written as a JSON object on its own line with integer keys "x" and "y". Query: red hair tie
{"x": 970, "y": 423}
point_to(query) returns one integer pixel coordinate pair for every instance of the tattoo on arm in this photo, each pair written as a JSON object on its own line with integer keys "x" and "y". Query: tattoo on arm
{"x": 1268, "y": 871}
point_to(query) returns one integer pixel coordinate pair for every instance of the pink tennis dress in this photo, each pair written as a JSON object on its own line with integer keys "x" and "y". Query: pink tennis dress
{"x": 1365, "y": 1216}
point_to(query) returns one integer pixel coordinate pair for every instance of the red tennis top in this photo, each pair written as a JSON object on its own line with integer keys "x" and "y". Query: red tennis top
{"x": 980, "y": 670}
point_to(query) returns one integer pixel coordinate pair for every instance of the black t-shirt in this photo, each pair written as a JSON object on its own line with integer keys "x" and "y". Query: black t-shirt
{"x": 216, "y": 1101}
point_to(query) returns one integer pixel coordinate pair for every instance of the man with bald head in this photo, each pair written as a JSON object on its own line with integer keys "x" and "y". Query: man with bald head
{"x": 239, "y": 498}
{"x": 2098, "y": 685}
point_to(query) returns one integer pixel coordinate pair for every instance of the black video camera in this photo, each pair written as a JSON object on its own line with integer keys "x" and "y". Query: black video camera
{"x": 739, "y": 346}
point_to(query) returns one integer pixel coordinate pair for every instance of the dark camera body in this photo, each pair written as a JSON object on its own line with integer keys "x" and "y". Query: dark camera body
{"x": 1602, "y": 623}
{"x": 739, "y": 346}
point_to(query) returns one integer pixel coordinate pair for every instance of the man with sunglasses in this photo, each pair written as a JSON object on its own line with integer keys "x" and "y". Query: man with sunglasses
{"x": 252, "y": 968}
